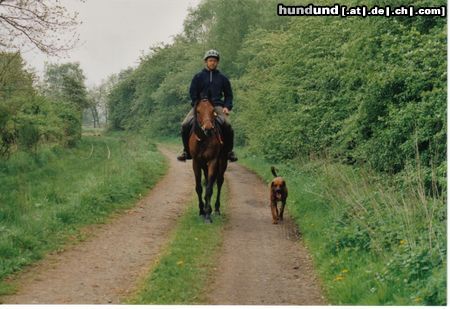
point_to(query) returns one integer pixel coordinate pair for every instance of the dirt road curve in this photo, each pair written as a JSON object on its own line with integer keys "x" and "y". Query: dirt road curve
{"x": 260, "y": 263}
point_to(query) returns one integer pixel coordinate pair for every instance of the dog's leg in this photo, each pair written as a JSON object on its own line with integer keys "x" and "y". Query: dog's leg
{"x": 274, "y": 208}
{"x": 283, "y": 203}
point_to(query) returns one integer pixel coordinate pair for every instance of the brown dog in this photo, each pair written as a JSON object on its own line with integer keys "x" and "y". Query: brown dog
{"x": 278, "y": 193}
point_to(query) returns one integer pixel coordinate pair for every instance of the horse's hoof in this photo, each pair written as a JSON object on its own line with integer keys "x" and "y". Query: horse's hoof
{"x": 217, "y": 213}
{"x": 208, "y": 219}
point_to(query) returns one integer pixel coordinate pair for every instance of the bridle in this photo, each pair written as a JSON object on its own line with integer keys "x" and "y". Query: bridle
{"x": 200, "y": 127}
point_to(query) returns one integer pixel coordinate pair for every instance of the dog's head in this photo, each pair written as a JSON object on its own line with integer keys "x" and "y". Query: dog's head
{"x": 278, "y": 187}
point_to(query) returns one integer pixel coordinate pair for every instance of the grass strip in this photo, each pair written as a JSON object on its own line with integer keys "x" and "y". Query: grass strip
{"x": 182, "y": 274}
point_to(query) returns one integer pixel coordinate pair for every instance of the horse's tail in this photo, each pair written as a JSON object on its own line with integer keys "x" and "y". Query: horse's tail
{"x": 274, "y": 173}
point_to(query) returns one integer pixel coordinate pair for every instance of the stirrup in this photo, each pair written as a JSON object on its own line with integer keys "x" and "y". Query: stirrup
{"x": 232, "y": 156}
{"x": 184, "y": 156}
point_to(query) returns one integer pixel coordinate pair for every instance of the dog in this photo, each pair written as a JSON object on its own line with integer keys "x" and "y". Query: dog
{"x": 278, "y": 193}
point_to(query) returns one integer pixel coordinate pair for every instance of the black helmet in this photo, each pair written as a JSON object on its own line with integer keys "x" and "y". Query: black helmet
{"x": 212, "y": 53}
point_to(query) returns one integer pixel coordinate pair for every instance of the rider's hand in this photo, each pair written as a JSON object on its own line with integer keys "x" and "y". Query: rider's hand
{"x": 226, "y": 111}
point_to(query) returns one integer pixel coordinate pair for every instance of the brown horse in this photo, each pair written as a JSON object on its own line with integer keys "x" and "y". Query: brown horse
{"x": 208, "y": 155}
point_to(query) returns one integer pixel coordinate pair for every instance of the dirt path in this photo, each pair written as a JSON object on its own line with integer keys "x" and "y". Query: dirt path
{"x": 261, "y": 263}
{"x": 105, "y": 268}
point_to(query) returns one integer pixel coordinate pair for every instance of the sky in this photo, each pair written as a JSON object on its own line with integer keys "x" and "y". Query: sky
{"x": 115, "y": 33}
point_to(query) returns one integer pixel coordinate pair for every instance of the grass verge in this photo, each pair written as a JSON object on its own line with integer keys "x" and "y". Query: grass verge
{"x": 182, "y": 274}
{"x": 45, "y": 198}
{"x": 372, "y": 243}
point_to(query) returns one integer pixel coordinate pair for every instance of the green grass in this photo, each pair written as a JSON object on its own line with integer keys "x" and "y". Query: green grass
{"x": 183, "y": 272}
{"x": 47, "y": 197}
{"x": 372, "y": 243}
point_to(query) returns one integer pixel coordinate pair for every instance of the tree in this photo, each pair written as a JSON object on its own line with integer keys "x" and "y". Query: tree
{"x": 14, "y": 80}
{"x": 15, "y": 91}
{"x": 36, "y": 22}
{"x": 98, "y": 101}
{"x": 65, "y": 82}
{"x": 64, "y": 85}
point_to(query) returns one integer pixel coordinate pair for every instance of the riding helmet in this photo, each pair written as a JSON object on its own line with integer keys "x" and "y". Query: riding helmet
{"x": 212, "y": 53}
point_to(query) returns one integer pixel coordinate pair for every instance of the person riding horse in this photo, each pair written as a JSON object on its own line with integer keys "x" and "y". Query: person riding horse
{"x": 212, "y": 83}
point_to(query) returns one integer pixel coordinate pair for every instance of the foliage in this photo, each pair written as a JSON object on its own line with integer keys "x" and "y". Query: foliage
{"x": 65, "y": 82}
{"x": 346, "y": 88}
{"x": 28, "y": 119}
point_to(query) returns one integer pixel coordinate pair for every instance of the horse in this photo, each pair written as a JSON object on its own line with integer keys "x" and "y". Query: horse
{"x": 208, "y": 155}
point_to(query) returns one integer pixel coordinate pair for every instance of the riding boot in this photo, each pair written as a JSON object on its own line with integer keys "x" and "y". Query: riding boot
{"x": 229, "y": 142}
{"x": 185, "y": 155}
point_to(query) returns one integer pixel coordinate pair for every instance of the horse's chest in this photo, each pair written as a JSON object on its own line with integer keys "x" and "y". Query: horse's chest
{"x": 209, "y": 153}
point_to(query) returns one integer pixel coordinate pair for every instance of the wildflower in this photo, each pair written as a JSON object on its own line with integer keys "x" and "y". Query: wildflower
{"x": 344, "y": 271}
{"x": 339, "y": 278}
{"x": 180, "y": 263}
{"x": 417, "y": 299}
{"x": 402, "y": 242}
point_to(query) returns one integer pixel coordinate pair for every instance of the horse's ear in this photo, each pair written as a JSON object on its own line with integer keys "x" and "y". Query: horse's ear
{"x": 195, "y": 107}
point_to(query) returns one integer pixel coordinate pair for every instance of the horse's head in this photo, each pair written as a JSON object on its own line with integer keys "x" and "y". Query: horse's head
{"x": 205, "y": 116}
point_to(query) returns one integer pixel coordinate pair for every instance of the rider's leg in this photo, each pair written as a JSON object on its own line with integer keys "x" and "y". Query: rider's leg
{"x": 185, "y": 132}
{"x": 228, "y": 133}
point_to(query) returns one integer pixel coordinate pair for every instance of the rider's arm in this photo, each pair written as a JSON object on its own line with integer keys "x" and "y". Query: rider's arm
{"x": 228, "y": 94}
{"x": 193, "y": 90}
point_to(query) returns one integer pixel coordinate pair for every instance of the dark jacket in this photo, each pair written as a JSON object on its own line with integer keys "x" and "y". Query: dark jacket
{"x": 211, "y": 84}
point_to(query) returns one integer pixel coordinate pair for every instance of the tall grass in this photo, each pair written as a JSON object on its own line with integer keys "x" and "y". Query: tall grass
{"x": 373, "y": 240}
{"x": 47, "y": 196}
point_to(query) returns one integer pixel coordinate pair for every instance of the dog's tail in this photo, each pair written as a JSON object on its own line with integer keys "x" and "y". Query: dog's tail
{"x": 274, "y": 172}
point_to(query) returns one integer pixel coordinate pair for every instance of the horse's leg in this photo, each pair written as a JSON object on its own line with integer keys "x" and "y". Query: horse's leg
{"x": 212, "y": 175}
{"x": 198, "y": 186}
{"x": 220, "y": 180}
{"x": 205, "y": 173}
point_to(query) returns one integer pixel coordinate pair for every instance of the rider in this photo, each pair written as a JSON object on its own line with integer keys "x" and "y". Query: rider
{"x": 210, "y": 81}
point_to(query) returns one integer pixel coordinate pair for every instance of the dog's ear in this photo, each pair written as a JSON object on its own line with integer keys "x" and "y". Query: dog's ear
{"x": 271, "y": 184}
{"x": 283, "y": 184}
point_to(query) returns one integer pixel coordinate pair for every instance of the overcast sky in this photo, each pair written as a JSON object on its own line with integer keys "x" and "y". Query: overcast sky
{"x": 115, "y": 33}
